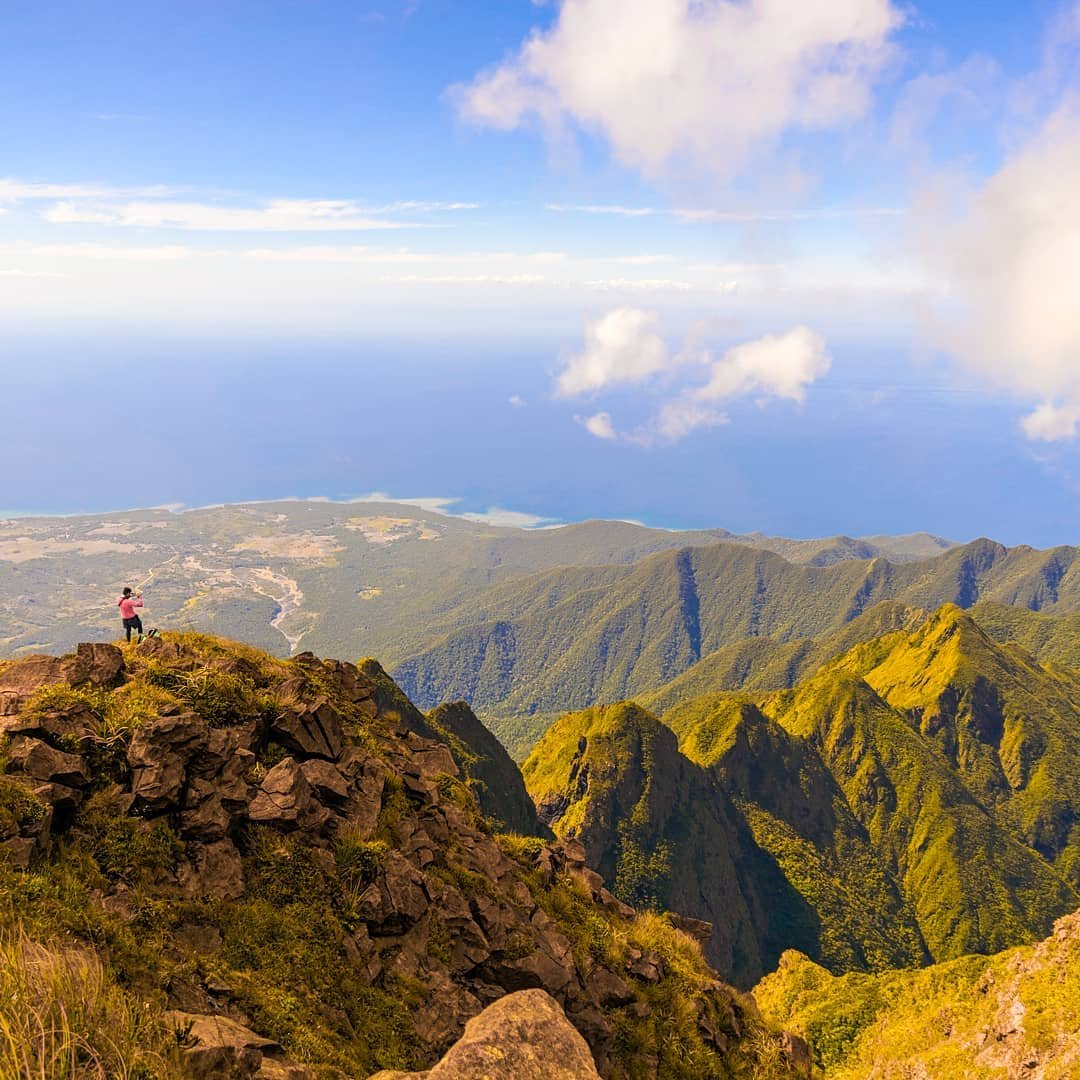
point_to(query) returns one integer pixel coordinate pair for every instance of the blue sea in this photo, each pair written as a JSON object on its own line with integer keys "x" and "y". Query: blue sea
{"x": 95, "y": 424}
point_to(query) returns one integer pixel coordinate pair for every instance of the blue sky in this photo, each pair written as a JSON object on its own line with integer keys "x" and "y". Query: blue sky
{"x": 748, "y": 263}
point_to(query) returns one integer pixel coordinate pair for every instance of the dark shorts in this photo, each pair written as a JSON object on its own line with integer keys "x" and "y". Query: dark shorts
{"x": 134, "y": 623}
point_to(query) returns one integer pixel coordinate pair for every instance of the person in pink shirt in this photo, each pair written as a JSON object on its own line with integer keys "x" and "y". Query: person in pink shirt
{"x": 127, "y": 604}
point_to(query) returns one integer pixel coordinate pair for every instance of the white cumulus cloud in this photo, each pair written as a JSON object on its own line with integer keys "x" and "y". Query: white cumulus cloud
{"x": 600, "y": 424}
{"x": 1011, "y": 263}
{"x": 624, "y": 347}
{"x": 710, "y": 82}
{"x": 620, "y": 347}
{"x": 776, "y": 365}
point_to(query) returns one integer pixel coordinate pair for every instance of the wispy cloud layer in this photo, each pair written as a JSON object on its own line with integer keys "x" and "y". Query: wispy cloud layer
{"x": 276, "y": 215}
{"x": 733, "y": 216}
{"x": 155, "y": 207}
{"x": 12, "y": 190}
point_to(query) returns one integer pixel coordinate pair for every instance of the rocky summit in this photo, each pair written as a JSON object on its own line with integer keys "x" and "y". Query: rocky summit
{"x": 217, "y": 863}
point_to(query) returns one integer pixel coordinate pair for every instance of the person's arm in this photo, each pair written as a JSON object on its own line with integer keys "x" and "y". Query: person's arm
{"x": 137, "y": 602}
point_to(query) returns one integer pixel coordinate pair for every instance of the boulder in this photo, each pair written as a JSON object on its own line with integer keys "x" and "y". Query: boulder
{"x": 22, "y": 679}
{"x": 76, "y": 724}
{"x": 61, "y": 798}
{"x": 212, "y": 871}
{"x": 218, "y": 1047}
{"x": 44, "y": 763}
{"x": 286, "y": 801}
{"x": 308, "y": 727}
{"x": 396, "y": 900}
{"x": 331, "y": 788}
{"x": 357, "y": 688}
{"x": 367, "y": 778}
{"x": 204, "y": 816}
{"x": 523, "y": 1036}
{"x": 646, "y": 966}
{"x": 430, "y": 758}
{"x": 95, "y": 664}
{"x": 607, "y": 988}
{"x": 159, "y": 754}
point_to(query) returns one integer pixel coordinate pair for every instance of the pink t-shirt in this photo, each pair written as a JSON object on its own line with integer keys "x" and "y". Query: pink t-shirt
{"x": 128, "y": 604}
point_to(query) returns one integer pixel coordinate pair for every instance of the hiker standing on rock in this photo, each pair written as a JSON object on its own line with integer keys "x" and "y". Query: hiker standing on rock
{"x": 127, "y": 604}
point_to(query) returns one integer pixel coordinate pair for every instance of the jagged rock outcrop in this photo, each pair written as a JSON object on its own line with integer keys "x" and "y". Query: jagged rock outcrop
{"x": 281, "y": 848}
{"x": 490, "y": 769}
{"x": 523, "y": 1036}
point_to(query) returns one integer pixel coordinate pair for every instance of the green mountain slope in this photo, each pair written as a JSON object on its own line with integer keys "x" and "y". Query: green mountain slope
{"x": 873, "y": 812}
{"x": 658, "y": 831}
{"x": 1008, "y": 726}
{"x": 764, "y": 663}
{"x": 799, "y": 815}
{"x": 972, "y": 886}
{"x": 1011, "y": 1015}
{"x": 1046, "y": 637}
{"x": 570, "y": 637}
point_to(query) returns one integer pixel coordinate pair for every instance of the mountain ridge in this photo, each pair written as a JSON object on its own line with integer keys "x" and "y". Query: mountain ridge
{"x": 838, "y": 799}
{"x": 569, "y": 637}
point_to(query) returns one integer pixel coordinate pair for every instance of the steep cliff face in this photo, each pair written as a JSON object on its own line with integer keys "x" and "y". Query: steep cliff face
{"x": 1016, "y": 1014}
{"x": 661, "y": 832}
{"x": 276, "y": 860}
{"x": 490, "y": 771}
{"x": 911, "y": 802}
{"x": 798, "y": 813}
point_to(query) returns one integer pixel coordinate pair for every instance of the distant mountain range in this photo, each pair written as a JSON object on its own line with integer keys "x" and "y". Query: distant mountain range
{"x": 346, "y": 579}
{"x": 574, "y": 636}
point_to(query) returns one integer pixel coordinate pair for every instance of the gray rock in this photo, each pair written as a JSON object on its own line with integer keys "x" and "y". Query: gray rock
{"x": 523, "y": 1036}
{"x": 44, "y": 763}
{"x": 309, "y": 727}
{"x": 287, "y": 801}
{"x": 159, "y": 754}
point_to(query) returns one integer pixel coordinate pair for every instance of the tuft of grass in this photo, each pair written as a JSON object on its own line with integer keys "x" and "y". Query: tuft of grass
{"x": 126, "y": 849}
{"x": 19, "y": 806}
{"x": 132, "y": 705}
{"x": 221, "y": 698}
{"x": 522, "y": 849}
{"x": 63, "y": 1016}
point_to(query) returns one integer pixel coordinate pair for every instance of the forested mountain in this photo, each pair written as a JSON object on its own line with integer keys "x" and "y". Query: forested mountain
{"x": 914, "y": 800}
{"x": 571, "y": 637}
